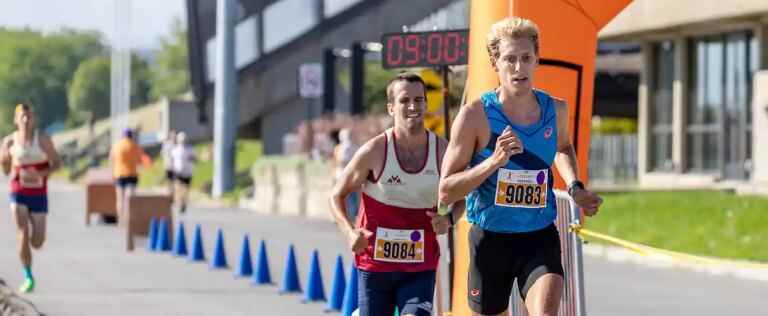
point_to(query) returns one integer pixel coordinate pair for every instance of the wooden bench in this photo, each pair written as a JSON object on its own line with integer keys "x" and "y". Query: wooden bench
{"x": 100, "y": 194}
{"x": 142, "y": 207}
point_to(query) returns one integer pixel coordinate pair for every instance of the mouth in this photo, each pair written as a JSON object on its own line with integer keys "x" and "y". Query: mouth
{"x": 413, "y": 115}
{"x": 519, "y": 80}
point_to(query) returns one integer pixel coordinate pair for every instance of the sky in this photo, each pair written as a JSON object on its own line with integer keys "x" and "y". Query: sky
{"x": 151, "y": 19}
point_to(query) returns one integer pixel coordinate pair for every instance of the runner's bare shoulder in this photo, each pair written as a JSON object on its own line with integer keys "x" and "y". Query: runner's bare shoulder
{"x": 373, "y": 149}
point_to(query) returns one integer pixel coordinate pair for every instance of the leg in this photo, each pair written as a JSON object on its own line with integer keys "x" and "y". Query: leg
{"x": 21, "y": 218}
{"x": 170, "y": 181}
{"x": 414, "y": 295}
{"x": 543, "y": 298}
{"x": 491, "y": 272}
{"x": 375, "y": 294}
{"x": 543, "y": 274}
{"x": 119, "y": 199}
{"x": 178, "y": 197}
{"x": 126, "y": 219}
{"x": 39, "y": 227}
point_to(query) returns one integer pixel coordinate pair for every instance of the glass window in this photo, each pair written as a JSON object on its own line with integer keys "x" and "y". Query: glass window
{"x": 246, "y": 46}
{"x": 661, "y": 107}
{"x": 705, "y": 103}
{"x": 334, "y": 7}
{"x": 286, "y": 20}
{"x": 718, "y": 127}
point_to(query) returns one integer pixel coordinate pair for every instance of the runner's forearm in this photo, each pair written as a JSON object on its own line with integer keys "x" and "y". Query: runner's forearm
{"x": 566, "y": 163}
{"x": 456, "y": 186}
{"x": 339, "y": 212}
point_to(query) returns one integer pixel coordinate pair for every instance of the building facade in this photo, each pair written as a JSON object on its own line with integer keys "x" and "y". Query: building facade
{"x": 699, "y": 117}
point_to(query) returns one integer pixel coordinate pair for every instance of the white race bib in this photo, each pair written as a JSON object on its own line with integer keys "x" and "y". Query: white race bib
{"x": 522, "y": 188}
{"x": 399, "y": 245}
{"x": 30, "y": 181}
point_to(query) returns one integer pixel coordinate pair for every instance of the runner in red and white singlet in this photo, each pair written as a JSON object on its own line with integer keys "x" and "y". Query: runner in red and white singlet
{"x": 29, "y": 157}
{"x": 394, "y": 241}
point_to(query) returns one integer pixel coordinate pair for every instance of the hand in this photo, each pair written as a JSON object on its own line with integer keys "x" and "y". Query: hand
{"x": 507, "y": 144}
{"x": 358, "y": 240}
{"x": 587, "y": 200}
{"x": 5, "y": 151}
{"x": 440, "y": 223}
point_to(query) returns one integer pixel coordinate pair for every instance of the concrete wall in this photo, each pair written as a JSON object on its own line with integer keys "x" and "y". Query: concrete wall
{"x": 760, "y": 129}
{"x": 184, "y": 116}
{"x": 644, "y": 16}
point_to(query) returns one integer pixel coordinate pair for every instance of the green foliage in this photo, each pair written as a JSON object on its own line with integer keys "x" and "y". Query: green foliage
{"x": 170, "y": 77}
{"x": 90, "y": 88}
{"x": 37, "y": 68}
{"x": 709, "y": 223}
{"x": 89, "y": 91}
{"x": 613, "y": 125}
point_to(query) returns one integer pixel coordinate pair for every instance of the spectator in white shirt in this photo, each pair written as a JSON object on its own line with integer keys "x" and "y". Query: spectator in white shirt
{"x": 168, "y": 144}
{"x": 183, "y": 158}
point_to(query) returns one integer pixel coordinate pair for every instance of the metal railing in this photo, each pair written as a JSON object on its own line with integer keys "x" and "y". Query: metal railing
{"x": 613, "y": 158}
{"x": 572, "y": 301}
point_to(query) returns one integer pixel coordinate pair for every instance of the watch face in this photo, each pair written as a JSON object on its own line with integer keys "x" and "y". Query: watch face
{"x": 425, "y": 49}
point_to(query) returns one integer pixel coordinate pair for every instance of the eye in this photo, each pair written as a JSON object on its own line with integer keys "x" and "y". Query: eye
{"x": 526, "y": 58}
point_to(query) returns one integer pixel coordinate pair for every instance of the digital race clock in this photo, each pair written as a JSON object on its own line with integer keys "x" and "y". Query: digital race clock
{"x": 425, "y": 49}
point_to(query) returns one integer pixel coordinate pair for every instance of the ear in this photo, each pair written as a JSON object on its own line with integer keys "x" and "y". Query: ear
{"x": 391, "y": 109}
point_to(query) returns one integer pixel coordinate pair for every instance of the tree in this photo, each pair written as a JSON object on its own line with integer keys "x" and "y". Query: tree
{"x": 37, "y": 68}
{"x": 170, "y": 77}
{"x": 90, "y": 88}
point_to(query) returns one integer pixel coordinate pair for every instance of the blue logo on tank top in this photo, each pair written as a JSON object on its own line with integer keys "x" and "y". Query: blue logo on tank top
{"x": 518, "y": 197}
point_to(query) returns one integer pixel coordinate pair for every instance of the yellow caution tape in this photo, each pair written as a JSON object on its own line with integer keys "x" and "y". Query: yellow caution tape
{"x": 676, "y": 256}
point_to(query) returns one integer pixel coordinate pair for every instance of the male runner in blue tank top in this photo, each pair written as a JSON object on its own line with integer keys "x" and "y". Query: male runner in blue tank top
{"x": 500, "y": 157}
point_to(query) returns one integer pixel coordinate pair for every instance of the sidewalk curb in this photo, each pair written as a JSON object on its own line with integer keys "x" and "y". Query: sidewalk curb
{"x": 621, "y": 255}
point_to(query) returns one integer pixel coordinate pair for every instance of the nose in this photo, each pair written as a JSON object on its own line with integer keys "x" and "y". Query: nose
{"x": 516, "y": 66}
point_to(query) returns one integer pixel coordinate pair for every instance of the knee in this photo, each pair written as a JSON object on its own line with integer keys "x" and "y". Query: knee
{"x": 548, "y": 309}
{"x": 37, "y": 243}
{"x": 23, "y": 232}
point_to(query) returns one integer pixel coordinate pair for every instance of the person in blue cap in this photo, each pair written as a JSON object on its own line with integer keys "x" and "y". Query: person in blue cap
{"x": 126, "y": 156}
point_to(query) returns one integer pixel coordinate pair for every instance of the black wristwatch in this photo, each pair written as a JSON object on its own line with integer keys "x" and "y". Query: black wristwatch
{"x": 574, "y": 185}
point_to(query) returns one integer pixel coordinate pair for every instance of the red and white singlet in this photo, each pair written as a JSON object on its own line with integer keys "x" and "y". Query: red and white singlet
{"x": 394, "y": 207}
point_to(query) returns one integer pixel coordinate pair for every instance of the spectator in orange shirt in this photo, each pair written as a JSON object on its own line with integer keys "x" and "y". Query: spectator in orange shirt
{"x": 126, "y": 155}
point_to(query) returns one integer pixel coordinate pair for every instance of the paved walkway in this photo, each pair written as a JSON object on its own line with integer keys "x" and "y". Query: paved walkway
{"x": 85, "y": 271}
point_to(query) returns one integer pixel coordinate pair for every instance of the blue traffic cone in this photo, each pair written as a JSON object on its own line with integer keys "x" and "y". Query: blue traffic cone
{"x": 163, "y": 239}
{"x": 246, "y": 267}
{"x": 315, "y": 289}
{"x": 219, "y": 256}
{"x": 180, "y": 245}
{"x": 291, "y": 282}
{"x": 337, "y": 287}
{"x": 152, "y": 234}
{"x": 198, "y": 254}
{"x": 262, "y": 275}
{"x": 350, "y": 294}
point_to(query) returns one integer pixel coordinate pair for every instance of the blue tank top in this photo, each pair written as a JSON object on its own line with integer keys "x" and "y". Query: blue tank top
{"x": 518, "y": 197}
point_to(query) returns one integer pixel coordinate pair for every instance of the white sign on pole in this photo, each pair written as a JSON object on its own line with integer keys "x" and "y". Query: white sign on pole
{"x": 311, "y": 80}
